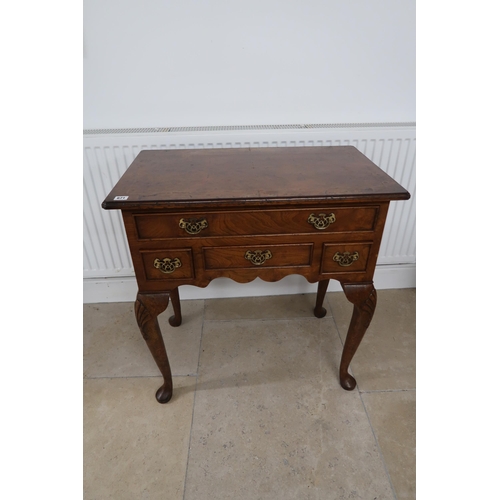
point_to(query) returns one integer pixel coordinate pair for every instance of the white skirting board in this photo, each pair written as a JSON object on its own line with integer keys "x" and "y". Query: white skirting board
{"x": 125, "y": 289}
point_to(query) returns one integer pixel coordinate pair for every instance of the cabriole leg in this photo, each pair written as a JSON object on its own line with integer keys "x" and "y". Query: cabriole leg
{"x": 319, "y": 310}
{"x": 364, "y": 298}
{"x": 147, "y": 308}
{"x": 176, "y": 319}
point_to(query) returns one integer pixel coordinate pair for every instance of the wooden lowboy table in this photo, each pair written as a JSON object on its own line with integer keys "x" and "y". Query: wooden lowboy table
{"x": 195, "y": 215}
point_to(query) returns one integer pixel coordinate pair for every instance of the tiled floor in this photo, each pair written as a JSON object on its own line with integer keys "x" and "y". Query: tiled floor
{"x": 257, "y": 411}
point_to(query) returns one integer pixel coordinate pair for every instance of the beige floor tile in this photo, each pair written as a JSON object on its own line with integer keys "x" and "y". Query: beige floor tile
{"x": 271, "y": 420}
{"x": 273, "y": 307}
{"x": 385, "y": 360}
{"x": 392, "y": 415}
{"x": 114, "y": 347}
{"x": 135, "y": 448}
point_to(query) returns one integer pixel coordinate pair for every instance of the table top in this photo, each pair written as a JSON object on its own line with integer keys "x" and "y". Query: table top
{"x": 251, "y": 176}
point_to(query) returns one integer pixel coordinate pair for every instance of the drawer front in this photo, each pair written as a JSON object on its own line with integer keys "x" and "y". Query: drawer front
{"x": 170, "y": 264}
{"x": 345, "y": 258}
{"x": 258, "y": 257}
{"x": 286, "y": 221}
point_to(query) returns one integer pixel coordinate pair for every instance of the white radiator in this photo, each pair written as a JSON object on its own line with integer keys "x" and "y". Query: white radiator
{"x": 108, "y": 272}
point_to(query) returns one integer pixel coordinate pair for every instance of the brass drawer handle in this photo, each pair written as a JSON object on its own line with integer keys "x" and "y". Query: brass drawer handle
{"x": 167, "y": 265}
{"x": 322, "y": 221}
{"x": 258, "y": 257}
{"x": 193, "y": 226}
{"x": 345, "y": 259}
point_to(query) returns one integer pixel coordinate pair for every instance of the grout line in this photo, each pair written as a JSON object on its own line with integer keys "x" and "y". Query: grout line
{"x": 138, "y": 376}
{"x": 335, "y": 323}
{"x": 194, "y": 399}
{"x": 360, "y": 394}
{"x": 378, "y": 446}
{"x": 386, "y": 390}
{"x": 334, "y": 320}
{"x": 266, "y": 319}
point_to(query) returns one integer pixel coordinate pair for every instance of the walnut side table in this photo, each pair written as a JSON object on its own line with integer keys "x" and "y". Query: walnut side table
{"x": 195, "y": 215}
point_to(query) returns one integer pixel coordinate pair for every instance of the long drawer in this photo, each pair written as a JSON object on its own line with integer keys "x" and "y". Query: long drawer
{"x": 255, "y": 222}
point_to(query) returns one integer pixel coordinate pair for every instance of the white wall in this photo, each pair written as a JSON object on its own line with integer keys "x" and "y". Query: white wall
{"x": 230, "y": 62}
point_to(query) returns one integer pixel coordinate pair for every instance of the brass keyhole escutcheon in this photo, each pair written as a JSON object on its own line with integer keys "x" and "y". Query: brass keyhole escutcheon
{"x": 258, "y": 257}
{"x": 167, "y": 265}
{"x": 321, "y": 221}
{"x": 193, "y": 226}
{"x": 345, "y": 259}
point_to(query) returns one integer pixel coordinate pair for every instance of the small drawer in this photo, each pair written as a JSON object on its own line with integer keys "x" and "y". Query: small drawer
{"x": 171, "y": 264}
{"x": 346, "y": 258}
{"x": 251, "y": 222}
{"x": 255, "y": 257}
